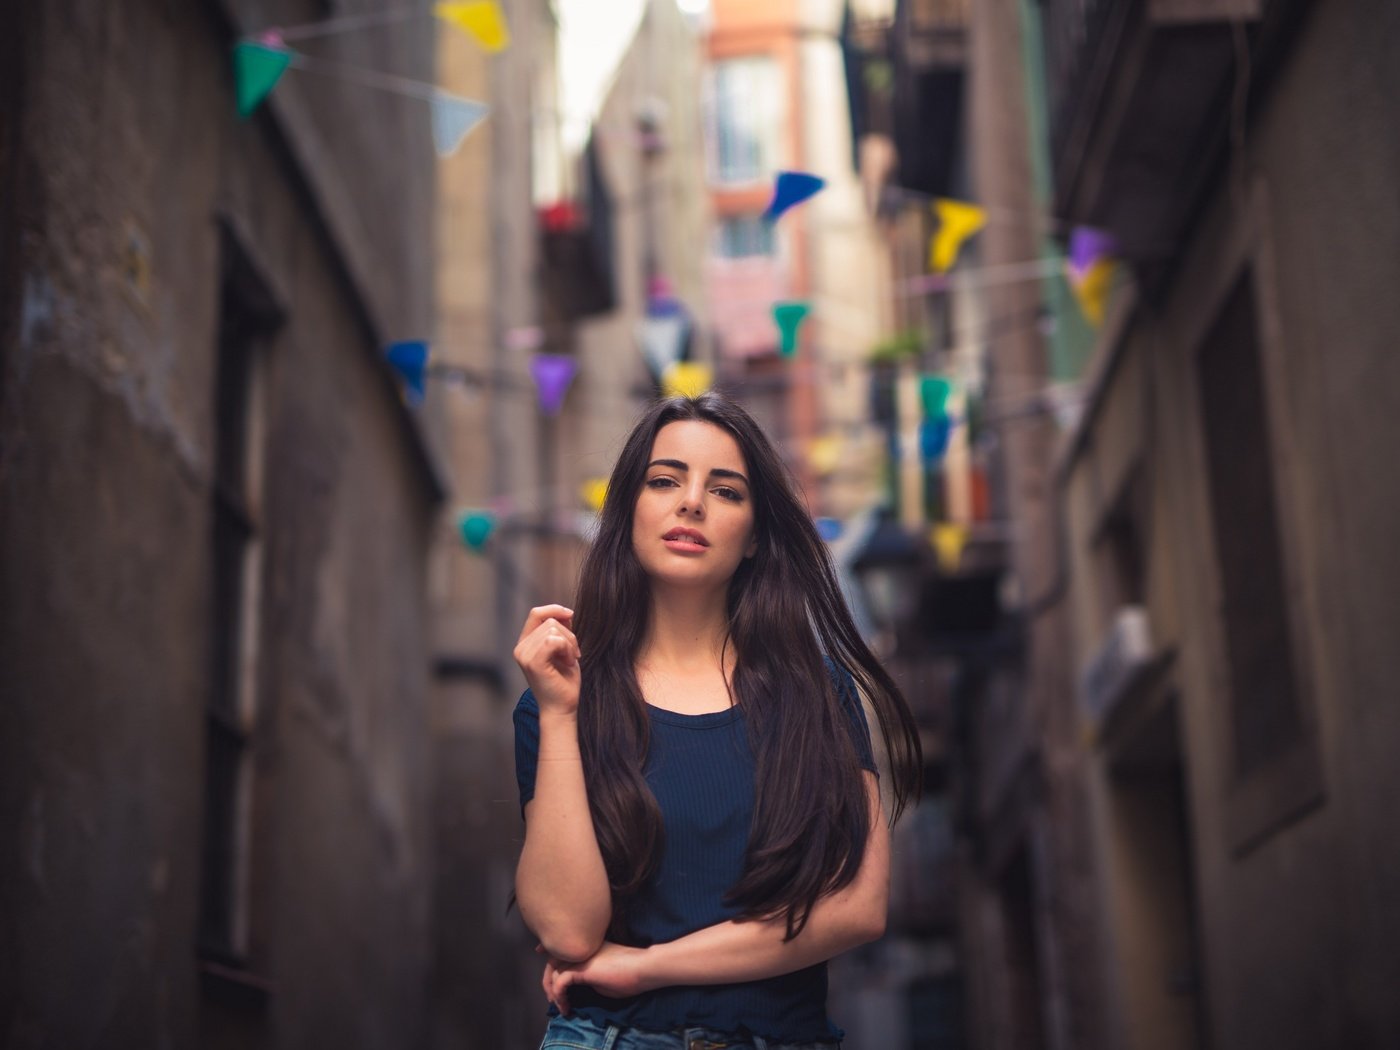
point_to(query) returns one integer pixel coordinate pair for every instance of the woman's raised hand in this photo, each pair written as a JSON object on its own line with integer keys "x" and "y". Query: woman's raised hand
{"x": 548, "y": 653}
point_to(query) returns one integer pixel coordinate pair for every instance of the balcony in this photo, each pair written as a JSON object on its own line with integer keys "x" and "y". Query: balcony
{"x": 1141, "y": 94}
{"x": 577, "y": 265}
{"x": 929, "y": 55}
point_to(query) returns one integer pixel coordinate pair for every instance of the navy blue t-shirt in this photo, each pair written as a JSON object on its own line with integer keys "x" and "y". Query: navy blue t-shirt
{"x": 701, "y": 770}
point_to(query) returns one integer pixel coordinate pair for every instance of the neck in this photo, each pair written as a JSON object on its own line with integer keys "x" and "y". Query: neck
{"x": 687, "y": 630}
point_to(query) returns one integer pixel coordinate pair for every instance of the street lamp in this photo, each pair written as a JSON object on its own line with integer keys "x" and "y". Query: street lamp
{"x": 889, "y": 568}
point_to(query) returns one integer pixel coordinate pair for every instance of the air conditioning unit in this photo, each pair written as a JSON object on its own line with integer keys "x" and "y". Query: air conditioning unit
{"x": 1123, "y": 657}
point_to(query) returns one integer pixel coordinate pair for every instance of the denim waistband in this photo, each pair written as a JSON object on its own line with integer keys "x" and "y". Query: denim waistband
{"x": 578, "y": 1033}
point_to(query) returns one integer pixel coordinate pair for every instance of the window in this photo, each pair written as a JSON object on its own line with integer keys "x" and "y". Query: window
{"x": 247, "y": 316}
{"x": 743, "y": 237}
{"x": 1119, "y": 550}
{"x": 746, "y": 119}
{"x": 1266, "y": 712}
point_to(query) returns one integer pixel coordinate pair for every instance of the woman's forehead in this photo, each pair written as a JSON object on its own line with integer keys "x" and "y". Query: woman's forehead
{"x": 697, "y": 444}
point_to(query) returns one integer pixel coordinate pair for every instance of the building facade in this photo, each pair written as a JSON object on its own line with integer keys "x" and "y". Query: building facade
{"x": 215, "y": 510}
{"x": 1230, "y": 543}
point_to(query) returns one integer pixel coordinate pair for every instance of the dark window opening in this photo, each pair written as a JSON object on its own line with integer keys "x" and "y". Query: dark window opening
{"x": 246, "y": 319}
{"x": 1265, "y": 705}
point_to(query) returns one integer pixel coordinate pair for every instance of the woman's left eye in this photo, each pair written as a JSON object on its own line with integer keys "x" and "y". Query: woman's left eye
{"x": 733, "y": 495}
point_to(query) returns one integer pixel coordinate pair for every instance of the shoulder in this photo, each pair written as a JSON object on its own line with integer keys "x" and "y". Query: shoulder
{"x": 841, "y": 678}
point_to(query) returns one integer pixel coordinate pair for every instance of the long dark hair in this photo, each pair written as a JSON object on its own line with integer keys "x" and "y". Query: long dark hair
{"x": 786, "y": 612}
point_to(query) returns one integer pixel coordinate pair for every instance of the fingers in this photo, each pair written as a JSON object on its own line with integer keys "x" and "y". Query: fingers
{"x": 548, "y": 640}
{"x": 540, "y": 614}
{"x": 562, "y": 980}
{"x": 555, "y": 982}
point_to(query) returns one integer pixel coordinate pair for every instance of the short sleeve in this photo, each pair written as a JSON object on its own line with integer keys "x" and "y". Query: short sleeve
{"x": 527, "y": 745}
{"x": 855, "y": 711}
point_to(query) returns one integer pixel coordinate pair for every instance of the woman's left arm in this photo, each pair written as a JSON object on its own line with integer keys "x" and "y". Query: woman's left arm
{"x": 748, "y": 950}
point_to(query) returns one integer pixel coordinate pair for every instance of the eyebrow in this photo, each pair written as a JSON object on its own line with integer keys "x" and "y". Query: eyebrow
{"x": 717, "y": 472}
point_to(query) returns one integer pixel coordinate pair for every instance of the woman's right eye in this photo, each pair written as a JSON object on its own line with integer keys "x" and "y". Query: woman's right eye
{"x": 661, "y": 482}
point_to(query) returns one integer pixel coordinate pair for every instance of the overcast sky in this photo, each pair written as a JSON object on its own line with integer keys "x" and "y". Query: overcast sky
{"x": 593, "y": 34}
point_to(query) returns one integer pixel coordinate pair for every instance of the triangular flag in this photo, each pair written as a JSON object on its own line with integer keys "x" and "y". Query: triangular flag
{"x": 594, "y": 492}
{"x": 256, "y": 70}
{"x": 933, "y": 392}
{"x": 662, "y": 331}
{"x": 687, "y": 379}
{"x": 792, "y": 187}
{"x": 933, "y": 438}
{"x": 949, "y": 539}
{"x": 453, "y": 119}
{"x": 410, "y": 360}
{"x": 789, "y": 317}
{"x": 824, "y": 453}
{"x": 1086, "y": 247}
{"x": 957, "y": 221}
{"x": 475, "y": 527}
{"x": 552, "y": 373}
{"x": 830, "y": 529}
{"x": 482, "y": 19}
{"x": 1091, "y": 290}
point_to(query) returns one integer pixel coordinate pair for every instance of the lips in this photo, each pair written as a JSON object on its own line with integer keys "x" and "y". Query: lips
{"x": 687, "y": 536}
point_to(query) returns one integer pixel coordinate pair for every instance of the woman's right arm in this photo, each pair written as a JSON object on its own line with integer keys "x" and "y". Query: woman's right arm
{"x": 560, "y": 882}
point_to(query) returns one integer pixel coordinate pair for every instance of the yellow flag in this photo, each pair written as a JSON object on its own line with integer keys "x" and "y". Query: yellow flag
{"x": 824, "y": 453}
{"x": 957, "y": 221}
{"x": 949, "y": 539}
{"x": 1092, "y": 290}
{"x": 481, "y": 18}
{"x": 594, "y": 491}
{"x": 687, "y": 379}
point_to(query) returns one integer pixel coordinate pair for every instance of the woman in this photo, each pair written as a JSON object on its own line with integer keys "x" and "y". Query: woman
{"x": 704, "y": 827}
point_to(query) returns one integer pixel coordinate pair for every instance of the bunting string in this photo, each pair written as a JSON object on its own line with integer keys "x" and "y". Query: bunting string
{"x": 345, "y": 23}
{"x": 368, "y": 77}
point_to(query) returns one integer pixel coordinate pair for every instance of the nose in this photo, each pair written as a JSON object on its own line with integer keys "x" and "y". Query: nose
{"x": 693, "y": 500}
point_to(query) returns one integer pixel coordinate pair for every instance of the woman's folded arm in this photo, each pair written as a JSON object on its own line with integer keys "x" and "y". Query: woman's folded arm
{"x": 561, "y": 885}
{"x": 747, "y": 949}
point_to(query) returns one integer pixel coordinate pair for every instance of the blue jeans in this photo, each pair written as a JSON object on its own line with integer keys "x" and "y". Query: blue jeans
{"x": 576, "y": 1033}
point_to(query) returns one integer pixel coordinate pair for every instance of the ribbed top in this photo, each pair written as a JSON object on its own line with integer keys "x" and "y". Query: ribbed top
{"x": 701, "y": 770}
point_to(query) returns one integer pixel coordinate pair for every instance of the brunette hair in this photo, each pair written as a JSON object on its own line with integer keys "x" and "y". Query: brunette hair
{"x": 787, "y": 618}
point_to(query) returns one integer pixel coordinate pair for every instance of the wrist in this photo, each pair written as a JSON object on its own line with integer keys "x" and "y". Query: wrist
{"x": 644, "y": 971}
{"x": 558, "y": 737}
{"x": 562, "y": 725}
{"x": 649, "y": 967}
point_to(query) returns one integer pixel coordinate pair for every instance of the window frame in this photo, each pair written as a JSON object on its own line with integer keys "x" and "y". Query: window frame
{"x": 1290, "y": 783}
{"x": 770, "y": 140}
{"x": 249, "y": 314}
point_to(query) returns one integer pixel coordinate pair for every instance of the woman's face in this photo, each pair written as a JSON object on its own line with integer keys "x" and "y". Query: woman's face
{"x": 694, "y": 522}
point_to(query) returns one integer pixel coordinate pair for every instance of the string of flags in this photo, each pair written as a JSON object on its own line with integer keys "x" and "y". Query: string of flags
{"x": 261, "y": 60}
{"x": 665, "y": 327}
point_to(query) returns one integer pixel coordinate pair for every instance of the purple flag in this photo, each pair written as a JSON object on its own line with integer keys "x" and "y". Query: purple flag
{"x": 552, "y": 373}
{"x": 1086, "y": 247}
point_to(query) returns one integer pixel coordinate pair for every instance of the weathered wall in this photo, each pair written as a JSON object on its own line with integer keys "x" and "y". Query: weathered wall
{"x": 1299, "y": 924}
{"x": 132, "y": 155}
